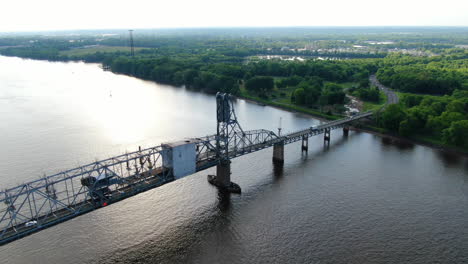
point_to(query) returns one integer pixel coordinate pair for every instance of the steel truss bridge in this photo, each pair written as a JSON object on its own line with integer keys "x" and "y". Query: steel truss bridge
{"x": 39, "y": 204}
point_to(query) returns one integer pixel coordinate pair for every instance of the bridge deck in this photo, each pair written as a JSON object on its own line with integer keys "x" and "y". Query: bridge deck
{"x": 39, "y": 204}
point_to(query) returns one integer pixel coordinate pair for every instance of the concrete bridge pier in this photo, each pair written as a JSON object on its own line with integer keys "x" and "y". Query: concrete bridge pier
{"x": 305, "y": 143}
{"x": 222, "y": 179}
{"x": 278, "y": 153}
{"x": 345, "y": 131}
{"x": 223, "y": 173}
{"x": 326, "y": 136}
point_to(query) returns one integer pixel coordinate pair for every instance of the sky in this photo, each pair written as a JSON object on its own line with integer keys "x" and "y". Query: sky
{"x": 46, "y": 15}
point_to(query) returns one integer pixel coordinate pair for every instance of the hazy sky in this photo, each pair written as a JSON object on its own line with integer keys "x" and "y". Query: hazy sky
{"x": 26, "y": 15}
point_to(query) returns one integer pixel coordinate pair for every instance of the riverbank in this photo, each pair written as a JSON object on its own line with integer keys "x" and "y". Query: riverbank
{"x": 387, "y": 95}
{"x": 289, "y": 108}
{"x": 324, "y": 117}
{"x": 394, "y": 137}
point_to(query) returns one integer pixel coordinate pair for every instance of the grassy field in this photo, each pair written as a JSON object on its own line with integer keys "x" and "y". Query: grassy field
{"x": 94, "y": 49}
{"x": 282, "y": 98}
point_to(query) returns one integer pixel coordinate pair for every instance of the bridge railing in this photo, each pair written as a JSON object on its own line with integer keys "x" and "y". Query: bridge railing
{"x": 36, "y": 203}
{"x": 32, "y": 204}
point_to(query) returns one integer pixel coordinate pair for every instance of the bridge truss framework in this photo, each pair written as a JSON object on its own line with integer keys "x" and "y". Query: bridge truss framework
{"x": 44, "y": 202}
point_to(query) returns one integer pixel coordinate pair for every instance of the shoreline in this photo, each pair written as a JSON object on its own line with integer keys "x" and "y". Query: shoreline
{"x": 406, "y": 140}
{"x": 448, "y": 149}
{"x": 399, "y": 138}
{"x": 285, "y": 108}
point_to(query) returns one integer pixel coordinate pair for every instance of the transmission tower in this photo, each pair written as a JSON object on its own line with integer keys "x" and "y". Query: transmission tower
{"x": 132, "y": 50}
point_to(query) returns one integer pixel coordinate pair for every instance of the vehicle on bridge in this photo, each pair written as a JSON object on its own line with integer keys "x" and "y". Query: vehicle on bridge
{"x": 36, "y": 205}
{"x": 99, "y": 187}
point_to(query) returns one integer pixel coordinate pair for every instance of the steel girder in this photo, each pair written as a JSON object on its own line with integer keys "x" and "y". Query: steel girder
{"x": 37, "y": 204}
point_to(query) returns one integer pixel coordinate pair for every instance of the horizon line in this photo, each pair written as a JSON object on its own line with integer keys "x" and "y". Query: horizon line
{"x": 235, "y": 27}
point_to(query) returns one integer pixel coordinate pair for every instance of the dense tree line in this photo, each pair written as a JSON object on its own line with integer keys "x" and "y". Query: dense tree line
{"x": 199, "y": 74}
{"x": 369, "y": 94}
{"x": 311, "y": 94}
{"x": 436, "y": 75}
{"x": 443, "y": 117}
{"x": 260, "y": 84}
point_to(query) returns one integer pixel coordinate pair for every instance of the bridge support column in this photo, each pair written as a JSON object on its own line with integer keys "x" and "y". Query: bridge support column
{"x": 278, "y": 153}
{"x": 326, "y": 136}
{"x": 223, "y": 173}
{"x": 305, "y": 144}
{"x": 345, "y": 131}
{"x": 222, "y": 179}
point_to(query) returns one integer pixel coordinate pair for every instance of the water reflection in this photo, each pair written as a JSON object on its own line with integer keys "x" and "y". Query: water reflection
{"x": 403, "y": 145}
{"x": 336, "y": 140}
{"x": 278, "y": 170}
{"x": 224, "y": 200}
{"x": 449, "y": 159}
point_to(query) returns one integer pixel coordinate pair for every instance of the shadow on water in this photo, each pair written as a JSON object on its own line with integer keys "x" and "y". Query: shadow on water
{"x": 278, "y": 172}
{"x": 327, "y": 146}
{"x": 449, "y": 159}
{"x": 224, "y": 201}
{"x": 180, "y": 243}
{"x": 316, "y": 154}
{"x": 389, "y": 142}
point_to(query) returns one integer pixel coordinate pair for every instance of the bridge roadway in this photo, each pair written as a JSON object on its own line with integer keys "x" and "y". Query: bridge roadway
{"x": 298, "y": 135}
{"x": 39, "y": 204}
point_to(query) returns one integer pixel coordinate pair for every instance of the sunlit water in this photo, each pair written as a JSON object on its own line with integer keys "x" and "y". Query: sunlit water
{"x": 362, "y": 200}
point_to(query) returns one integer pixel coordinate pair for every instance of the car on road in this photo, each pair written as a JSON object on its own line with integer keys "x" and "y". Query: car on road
{"x": 31, "y": 223}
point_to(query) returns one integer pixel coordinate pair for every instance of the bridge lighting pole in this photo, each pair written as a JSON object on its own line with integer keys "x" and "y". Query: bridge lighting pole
{"x": 305, "y": 143}
{"x": 326, "y": 136}
{"x": 279, "y": 127}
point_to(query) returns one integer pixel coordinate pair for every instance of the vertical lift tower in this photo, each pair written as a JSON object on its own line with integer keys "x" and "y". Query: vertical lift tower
{"x": 227, "y": 130}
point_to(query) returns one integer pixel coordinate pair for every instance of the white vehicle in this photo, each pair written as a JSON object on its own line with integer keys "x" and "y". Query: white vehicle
{"x": 31, "y": 223}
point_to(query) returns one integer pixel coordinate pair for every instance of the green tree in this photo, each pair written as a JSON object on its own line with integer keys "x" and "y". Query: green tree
{"x": 405, "y": 128}
{"x": 436, "y": 124}
{"x": 369, "y": 94}
{"x": 299, "y": 96}
{"x": 312, "y": 94}
{"x": 332, "y": 93}
{"x": 455, "y": 106}
{"x": 260, "y": 84}
{"x": 411, "y": 100}
{"x": 437, "y": 107}
{"x": 457, "y": 133}
{"x": 392, "y": 117}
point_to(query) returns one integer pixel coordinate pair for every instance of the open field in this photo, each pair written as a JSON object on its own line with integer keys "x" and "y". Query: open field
{"x": 282, "y": 98}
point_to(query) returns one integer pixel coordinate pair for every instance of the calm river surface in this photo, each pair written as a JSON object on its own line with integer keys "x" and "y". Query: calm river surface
{"x": 362, "y": 200}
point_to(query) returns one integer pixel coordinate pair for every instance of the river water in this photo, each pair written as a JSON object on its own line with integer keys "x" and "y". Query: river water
{"x": 361, "y": 200}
